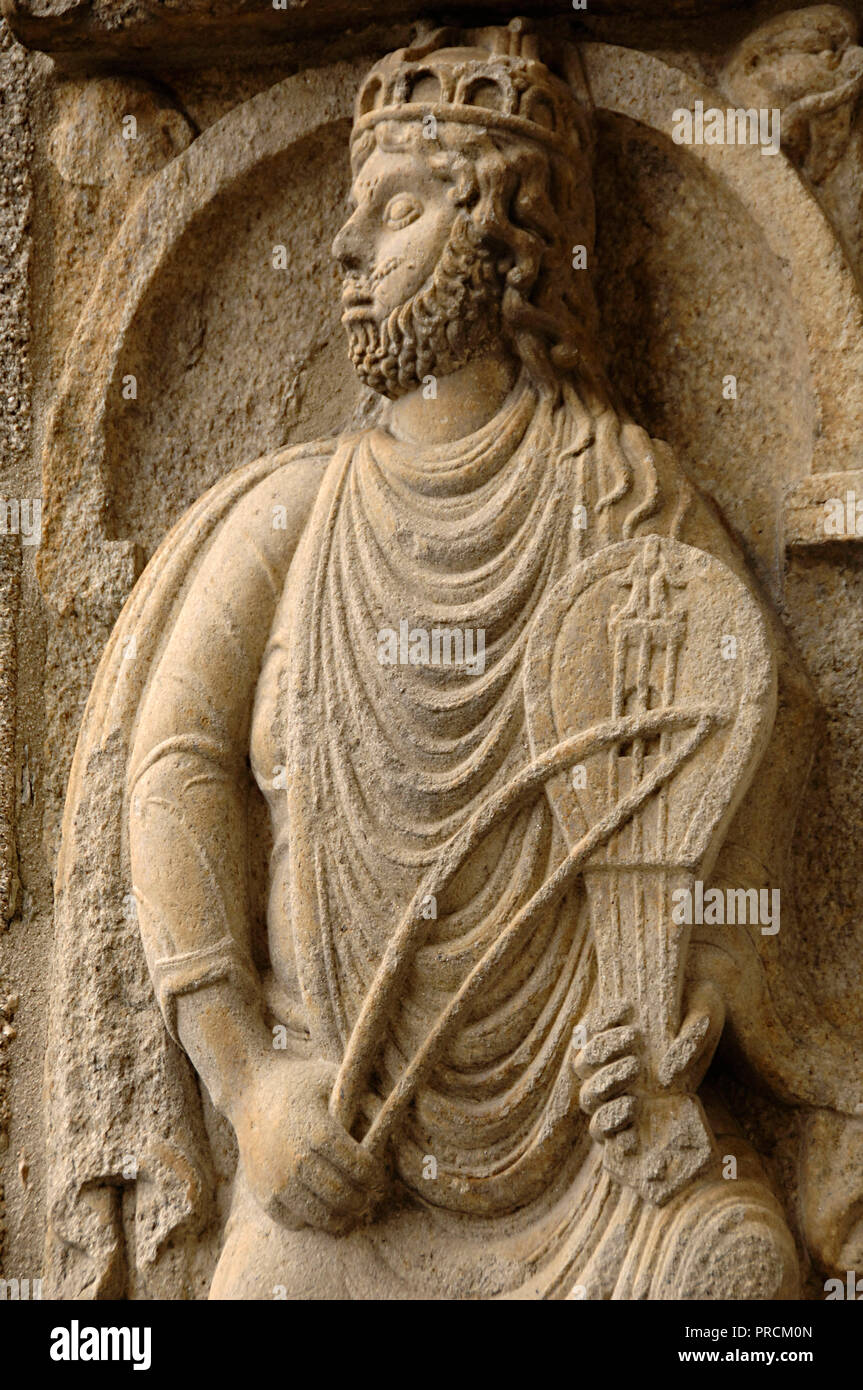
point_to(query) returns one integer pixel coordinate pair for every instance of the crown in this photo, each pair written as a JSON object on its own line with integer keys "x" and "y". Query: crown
{"x": 493, "y": 78}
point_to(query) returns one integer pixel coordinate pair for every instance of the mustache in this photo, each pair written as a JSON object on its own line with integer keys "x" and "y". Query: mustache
{"x": 360, "y": 288}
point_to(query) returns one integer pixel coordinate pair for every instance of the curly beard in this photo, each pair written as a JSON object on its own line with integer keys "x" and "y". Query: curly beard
{"x": 437, "y": 330}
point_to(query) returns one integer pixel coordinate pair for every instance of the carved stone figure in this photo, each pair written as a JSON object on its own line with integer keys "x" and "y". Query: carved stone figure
{"x": 809, "y": 65}
{"x": 518, "y": 711}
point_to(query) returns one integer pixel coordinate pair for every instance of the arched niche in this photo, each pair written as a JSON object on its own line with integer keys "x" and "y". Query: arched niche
{"x": 712, "y": 262}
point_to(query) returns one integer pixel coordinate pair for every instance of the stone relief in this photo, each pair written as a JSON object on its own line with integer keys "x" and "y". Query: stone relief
{"x": 428, "y": 901}
{"x": 490, "y": 1022}
{"x": 808, "y": 64}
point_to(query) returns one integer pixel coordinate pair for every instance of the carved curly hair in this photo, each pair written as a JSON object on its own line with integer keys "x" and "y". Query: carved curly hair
{"x": 531, "y": 209}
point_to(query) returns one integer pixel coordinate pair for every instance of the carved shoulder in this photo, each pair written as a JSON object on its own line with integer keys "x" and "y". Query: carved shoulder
{"x": 268, "y": 521}
{"x": 203, "y": 682}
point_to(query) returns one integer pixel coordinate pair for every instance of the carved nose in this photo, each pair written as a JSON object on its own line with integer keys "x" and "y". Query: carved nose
{"x": 347, "y": 247}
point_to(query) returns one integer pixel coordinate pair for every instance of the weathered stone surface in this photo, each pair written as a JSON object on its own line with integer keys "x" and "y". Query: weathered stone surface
{"x": 15, "y": 153}
{"x": 357, "y": 951}
{"x": 100, "y": 29}
{"x": 823, "y": 509}
{"x": 482, "y": 375}
{"x": 10, "y": 599}
{"x": 808, "y": 64}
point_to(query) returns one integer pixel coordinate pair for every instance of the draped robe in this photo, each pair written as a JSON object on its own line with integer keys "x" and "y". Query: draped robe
{"x": 383, "y": 764}
{"x": 158, "y": 804}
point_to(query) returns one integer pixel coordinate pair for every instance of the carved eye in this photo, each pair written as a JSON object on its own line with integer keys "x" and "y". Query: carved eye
{"x": 401, "y": 211}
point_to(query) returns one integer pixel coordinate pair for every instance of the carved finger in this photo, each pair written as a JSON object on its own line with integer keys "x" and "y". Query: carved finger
{"x": 357, "y": 1162}
{"x": 336, "y": 1189}
{"x": 608, "y": 1082}
{"x": 684, "y": 1049}
{"x": 616, "y": 1042}
{"x": 610, "y": 1016}
{"x": 614, "y": 1116}
{"x": 299, "y": 1201}
{"x": 697, "y": 1039}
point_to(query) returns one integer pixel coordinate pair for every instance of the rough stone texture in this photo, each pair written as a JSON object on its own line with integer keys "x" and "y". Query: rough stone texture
{"x": 10, "y": 598}
{"x": 154, "y": 259}
{"x": 15, "y": 151}
{"x": 228, "y": 27}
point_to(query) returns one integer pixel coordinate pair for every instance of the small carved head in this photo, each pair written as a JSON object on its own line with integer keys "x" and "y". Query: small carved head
{"x": 472, "y": 192}
{"x": 808, "y": 64}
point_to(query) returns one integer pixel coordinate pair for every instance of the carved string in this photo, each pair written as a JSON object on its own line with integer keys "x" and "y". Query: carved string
{"x": 473, "y": 535}
{"x": 365, "y": 1038}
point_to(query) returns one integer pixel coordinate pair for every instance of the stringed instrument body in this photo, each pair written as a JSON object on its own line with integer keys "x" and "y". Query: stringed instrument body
{"x": 667, "y": 639}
